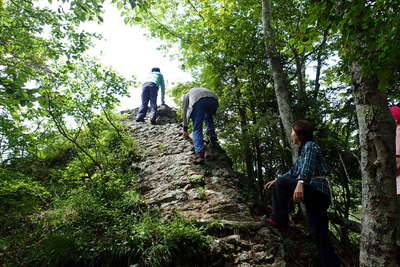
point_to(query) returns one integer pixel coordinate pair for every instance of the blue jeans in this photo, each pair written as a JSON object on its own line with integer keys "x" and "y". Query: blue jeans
{"x": 203, "y": 110}
{"x": 149, "y": 93}
{"x": 316, "y": 204}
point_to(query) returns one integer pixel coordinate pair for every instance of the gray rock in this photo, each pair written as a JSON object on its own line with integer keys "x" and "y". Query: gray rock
{"x": 232, "y": 239}
{"x": 209, "y": 192}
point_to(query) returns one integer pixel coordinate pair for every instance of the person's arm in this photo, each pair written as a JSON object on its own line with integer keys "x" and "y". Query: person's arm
{"x": 185, "y": 108}
{"x": 286, "y": 175}
{"x": 162, "y": 87}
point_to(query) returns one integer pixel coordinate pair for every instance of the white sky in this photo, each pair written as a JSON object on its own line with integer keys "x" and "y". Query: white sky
{"x": 126, "y": 49}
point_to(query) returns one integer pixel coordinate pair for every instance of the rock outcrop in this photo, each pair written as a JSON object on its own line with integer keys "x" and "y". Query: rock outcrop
{"x": 208, "y": 193}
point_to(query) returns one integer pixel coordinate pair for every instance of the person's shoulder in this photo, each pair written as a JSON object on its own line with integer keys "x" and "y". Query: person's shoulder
{"x": 199, "y": 89}
{"x": 311, "y": 145}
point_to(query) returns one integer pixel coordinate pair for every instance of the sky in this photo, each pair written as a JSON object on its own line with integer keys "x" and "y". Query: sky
{"x": 126, "y": 49}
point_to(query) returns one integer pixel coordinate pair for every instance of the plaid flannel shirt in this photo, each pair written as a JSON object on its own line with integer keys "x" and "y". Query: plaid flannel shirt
{"x": 310, "y": 164}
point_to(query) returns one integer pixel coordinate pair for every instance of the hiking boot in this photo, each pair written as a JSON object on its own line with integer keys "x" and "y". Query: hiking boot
{"x": 153, "y": 122}
{"x": 197, "y": 157}
{"x": 140, "y": 119}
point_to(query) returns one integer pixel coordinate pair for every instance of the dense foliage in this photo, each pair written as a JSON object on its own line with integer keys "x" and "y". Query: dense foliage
{"x": 66, "y": 185}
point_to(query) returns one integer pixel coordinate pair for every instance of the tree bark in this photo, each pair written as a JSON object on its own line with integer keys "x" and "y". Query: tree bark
{"x": 278, "y": 74}
{"x": 376, "y": 131}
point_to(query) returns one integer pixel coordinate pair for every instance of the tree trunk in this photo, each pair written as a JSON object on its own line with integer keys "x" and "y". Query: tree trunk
{"x": 318, "y": 75}
{"x": 344, "y": 233}
{"x": 245, "y": 144}
{"x": 300, "y": 73}
{"x": 376, "y": 130}
{"x": 320, "y": 60}
{"x": 259, "y": 181}
{"x": 279, "y": 76}
{"x": 301, "y": 106}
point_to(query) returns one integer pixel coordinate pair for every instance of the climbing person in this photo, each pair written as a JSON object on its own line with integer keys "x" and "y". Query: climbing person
{"x": 150, "y": 88}
{"x": 395, "y": 111}
{"x": 199, "y": 104}
{"x": 305, "y": 181}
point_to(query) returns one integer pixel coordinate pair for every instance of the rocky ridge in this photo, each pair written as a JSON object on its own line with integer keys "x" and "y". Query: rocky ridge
{"x": 208, "y": 193}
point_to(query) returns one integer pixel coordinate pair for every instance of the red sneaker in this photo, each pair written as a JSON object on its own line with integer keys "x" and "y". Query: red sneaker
{"x": 272, "y": 222}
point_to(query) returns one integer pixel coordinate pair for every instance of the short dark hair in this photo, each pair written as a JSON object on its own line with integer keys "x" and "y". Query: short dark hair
{"x": 303, "y": 130}
{"x": 155, "y": 70}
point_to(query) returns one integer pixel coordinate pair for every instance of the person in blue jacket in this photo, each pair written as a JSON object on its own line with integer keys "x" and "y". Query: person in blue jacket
{"x": 150, "y": 88}
{"x": 306, "y": 181}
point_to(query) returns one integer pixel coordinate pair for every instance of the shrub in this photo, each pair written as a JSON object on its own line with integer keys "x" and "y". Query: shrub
{"x": 170, "y": 244}
{"x": 19, "y": 194}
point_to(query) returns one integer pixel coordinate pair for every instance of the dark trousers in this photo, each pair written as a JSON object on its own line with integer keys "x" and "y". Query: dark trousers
{"x": 203, "y": 110}
{"x": 149, "y": 93}
{"x": 317, "y": 205}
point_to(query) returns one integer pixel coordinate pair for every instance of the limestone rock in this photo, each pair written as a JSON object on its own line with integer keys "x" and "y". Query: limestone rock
{"x": 209, "y": 192}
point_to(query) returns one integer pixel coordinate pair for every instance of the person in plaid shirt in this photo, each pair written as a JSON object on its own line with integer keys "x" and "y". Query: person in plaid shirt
{"x": 306, "y": 182}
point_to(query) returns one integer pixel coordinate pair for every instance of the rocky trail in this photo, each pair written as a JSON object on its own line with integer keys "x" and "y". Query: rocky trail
{"x": 210, "y": 193}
